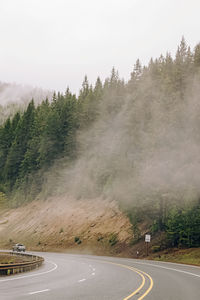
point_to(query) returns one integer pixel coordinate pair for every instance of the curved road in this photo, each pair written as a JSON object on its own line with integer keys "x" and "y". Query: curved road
{"x": 74, "y": 277}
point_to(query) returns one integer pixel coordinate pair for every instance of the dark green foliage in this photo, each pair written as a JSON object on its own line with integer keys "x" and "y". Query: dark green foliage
{"x": 183, "y": 226}
{"x": 31, "y": 142}
{"x": 23, "y": 133}
{"x": 77, "y": 240}
{"x": 135, "y": 219}
{"x": 154, "y": 227}
{"x": 113, "y": 239}
{"x": 155, "y": 248}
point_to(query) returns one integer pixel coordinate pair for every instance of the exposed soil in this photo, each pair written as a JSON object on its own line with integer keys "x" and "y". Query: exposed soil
{"x": 82, "y": 226}
{"x": 63, "y": 224}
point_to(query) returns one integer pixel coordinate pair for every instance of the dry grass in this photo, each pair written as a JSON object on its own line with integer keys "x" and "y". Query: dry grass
{"x": 11, "y": 259}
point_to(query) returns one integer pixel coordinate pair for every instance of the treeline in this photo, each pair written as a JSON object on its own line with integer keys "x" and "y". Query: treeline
{"x": 183, "y": 226}
{"x": 131, "y": 132}
{"x": 32, "y": 140}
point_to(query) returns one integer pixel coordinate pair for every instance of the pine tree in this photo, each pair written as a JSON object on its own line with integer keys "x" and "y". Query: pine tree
{"x": 19, "y": 145}
{"x": 197, "y": 56}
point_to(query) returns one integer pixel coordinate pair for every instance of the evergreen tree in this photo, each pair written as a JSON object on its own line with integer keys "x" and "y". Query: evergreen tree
{"x": 18, "y": 148}
{"x": 197, "y": 56}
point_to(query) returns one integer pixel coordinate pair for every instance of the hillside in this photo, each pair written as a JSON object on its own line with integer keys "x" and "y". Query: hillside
{"x": 85, "y": 226}
{"x": 55, "y": 223}
{"x": 135, "y": 144}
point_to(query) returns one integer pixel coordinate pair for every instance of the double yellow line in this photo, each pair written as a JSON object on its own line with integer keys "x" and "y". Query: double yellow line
{"x": 141, "y": 274}
{"x": 142, "y": 284}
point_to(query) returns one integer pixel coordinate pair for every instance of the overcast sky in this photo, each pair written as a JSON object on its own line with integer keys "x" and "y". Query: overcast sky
{"x": 53, "y": 43}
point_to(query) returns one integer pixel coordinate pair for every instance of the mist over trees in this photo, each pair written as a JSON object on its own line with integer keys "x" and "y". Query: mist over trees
{"x": 15, "y": 97}
{"x": 136, "y": 142}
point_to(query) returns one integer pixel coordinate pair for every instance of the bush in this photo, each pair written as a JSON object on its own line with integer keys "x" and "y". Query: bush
{"x": 155, "y": 226}
{"x": 113, "y": 239}
{"x": 155, "y": 248}
{"x": 77, "y": 240}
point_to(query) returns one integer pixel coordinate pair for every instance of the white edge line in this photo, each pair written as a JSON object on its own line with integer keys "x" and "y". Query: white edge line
{"x": 170, "y": 263}
{"x": 37, "y": 292}
{"x": 172, "y": 269}
{"x": 162, "y": 267}
{"x": 32, "y": 275}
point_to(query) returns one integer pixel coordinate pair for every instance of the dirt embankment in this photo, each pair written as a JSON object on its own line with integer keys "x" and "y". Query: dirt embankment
{"x": 90, "y": 226}
{"x": 82, "y": 226}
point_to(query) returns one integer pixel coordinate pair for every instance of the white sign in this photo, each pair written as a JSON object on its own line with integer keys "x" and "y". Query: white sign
{"x": 147, "y": 238}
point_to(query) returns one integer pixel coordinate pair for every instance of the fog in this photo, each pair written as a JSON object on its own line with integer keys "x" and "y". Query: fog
{"x": 147, "y": 149}
{"x": 54, "y": 43}
{"x": 14, "y": 97}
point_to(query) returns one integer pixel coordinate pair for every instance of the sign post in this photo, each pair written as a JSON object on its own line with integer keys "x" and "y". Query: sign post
{"x": 147, "y": 241}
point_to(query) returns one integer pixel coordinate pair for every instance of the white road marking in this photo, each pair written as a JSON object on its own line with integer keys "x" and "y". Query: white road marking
{"x": 93, "y": 269}
{"x": 93, "y": 274}
{"x": 81, "y": 280}
{"x": 170, "y": 263}
{"x": 172, "y": 269}
{"x": 37, "y": 292}
{"x": 173, "y": 263}
{"x": 32, "y": 275}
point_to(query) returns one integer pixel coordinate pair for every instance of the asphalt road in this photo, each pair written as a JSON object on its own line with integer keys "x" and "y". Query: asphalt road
{"x": 74, "y": 277}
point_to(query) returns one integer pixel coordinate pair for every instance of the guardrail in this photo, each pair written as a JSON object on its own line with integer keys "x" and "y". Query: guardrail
{"x": 14, "y": 268}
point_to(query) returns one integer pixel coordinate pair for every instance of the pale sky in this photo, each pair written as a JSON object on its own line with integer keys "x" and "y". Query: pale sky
{"x": 53, "y": 43}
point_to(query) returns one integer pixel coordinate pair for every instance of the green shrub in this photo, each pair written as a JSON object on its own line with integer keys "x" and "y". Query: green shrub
{"x": 155, "y": 226}
{"x": 113, "y": 239}
{"x": 76, "y": 239}
{"x": 155, "y": 248}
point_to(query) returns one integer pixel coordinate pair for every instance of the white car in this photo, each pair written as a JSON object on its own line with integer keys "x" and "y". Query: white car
{"x": 19, "y": 248}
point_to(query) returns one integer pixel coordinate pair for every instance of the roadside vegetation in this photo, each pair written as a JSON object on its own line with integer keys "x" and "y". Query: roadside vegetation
{"x": 136, "y": 142}
{"x": 184, "y": 256}
{"x": 12, "y": 259}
